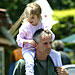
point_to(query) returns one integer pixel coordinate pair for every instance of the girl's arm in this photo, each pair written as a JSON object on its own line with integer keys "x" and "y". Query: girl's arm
{"x": 32, "y": 42}
{"x": 22, "y": 37}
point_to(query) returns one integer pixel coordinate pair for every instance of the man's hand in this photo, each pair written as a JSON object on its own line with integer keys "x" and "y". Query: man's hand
{"x": 61, "y": 71}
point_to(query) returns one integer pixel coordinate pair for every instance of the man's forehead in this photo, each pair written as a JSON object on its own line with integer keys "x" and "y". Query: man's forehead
{"x": 45, "y": 36}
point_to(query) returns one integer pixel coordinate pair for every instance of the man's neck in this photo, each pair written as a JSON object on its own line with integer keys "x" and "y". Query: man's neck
{"x": 41, "y": 56}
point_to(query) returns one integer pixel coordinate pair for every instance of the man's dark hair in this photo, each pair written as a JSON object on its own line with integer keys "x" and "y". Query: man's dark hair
{"x": 58, "y": 45}
{"x": 38, "y": 33}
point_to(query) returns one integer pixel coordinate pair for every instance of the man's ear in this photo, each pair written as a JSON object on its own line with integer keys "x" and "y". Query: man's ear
{"x": 35, "y": 45}
{"x": 54, "y": 48}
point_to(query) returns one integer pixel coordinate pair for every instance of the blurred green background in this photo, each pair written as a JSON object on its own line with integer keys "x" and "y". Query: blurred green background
{"x": 64, "y": 14}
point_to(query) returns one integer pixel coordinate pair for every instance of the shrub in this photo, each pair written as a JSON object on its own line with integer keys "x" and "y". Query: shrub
{"x": 66, "y": 23}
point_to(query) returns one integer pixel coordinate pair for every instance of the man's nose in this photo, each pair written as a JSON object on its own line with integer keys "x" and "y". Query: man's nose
{"x": 49, "y": 45}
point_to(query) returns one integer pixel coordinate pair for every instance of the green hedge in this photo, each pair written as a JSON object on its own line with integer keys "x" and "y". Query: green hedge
{"x": 62, "y": 4}
{"x": 66, "y": 23}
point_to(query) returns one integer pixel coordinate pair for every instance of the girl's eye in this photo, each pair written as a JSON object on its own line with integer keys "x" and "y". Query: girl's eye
{"x": 32, "y": 17}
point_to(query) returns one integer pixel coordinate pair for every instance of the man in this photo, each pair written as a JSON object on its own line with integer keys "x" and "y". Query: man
{"x": 44, "y": 61}
{"x": 58, "y": 45}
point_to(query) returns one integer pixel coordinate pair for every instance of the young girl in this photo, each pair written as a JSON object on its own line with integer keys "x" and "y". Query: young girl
{"x": 31, "y": 23}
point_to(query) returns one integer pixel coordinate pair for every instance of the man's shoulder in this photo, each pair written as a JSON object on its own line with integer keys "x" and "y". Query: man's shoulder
{"x": 21, "y": 61}
{"x": 19, "y": 67}
{"x": 54, "y": 52}
{"x": 56, "y": 57}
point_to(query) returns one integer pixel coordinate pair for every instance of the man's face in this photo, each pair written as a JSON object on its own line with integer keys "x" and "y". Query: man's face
{"x": 44, "y": 45}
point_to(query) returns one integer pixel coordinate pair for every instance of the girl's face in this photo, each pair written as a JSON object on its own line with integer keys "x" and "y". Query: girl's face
{"x": 34, "y": 20}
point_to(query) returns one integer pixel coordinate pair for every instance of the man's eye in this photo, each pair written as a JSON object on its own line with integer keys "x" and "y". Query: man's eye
{"x": 50, "y": 42}
{"x": 45, "y": 43}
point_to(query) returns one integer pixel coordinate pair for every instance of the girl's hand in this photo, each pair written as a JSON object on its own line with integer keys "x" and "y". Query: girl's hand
{"x": 32, "y": 42}
{"x": 46, "y": 30}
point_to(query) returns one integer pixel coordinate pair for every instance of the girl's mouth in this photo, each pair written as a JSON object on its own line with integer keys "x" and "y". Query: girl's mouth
{"x": 31, "y": 22}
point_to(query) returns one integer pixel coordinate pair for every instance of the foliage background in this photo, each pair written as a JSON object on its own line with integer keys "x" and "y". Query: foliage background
{"x": 66, "y": 23}
{"x": 16, "y": 7}
{"x": 66, "y": 20}
{"x": 64, "y": 13}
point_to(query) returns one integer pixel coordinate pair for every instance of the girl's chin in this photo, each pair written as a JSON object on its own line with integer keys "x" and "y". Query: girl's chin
{"x": 34, "y": 24}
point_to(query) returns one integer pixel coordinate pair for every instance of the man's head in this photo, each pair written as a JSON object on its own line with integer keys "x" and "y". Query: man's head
{"x": 43, "y": 41}
{"x": 58, "y": 45}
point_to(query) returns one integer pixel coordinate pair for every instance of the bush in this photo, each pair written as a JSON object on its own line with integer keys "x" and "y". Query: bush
{"x": 62, "y": 4}
{"x": 66, "y": 23}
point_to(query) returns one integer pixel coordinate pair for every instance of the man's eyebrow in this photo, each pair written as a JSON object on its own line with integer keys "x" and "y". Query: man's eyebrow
{"x": 43, "y": 42}
{"x": 47, "y": 42}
